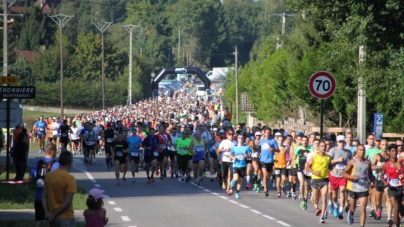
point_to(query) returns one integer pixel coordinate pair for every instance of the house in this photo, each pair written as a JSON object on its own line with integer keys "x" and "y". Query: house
{"x": 29, "y": 56}
{"x": 47, "y": 6}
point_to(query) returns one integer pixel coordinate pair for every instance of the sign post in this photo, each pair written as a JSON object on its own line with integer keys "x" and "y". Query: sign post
{"x": 322, "y": 85}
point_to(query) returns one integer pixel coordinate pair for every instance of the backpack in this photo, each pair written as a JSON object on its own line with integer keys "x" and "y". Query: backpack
{"x": 43, "y": 169}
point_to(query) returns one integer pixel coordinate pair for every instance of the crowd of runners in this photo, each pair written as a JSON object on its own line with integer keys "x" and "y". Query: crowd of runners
{"x": 180, "y": 138}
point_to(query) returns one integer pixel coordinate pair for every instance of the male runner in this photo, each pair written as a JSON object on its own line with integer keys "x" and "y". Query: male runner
{"x": 135, "y": 143}
{"x": 40, "y": 127}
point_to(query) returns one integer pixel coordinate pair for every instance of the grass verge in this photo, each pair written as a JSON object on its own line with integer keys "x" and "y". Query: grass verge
{"x": 29, "y": 223}
{"x": 22, "y": 196}
{"x": 36, "y": 114}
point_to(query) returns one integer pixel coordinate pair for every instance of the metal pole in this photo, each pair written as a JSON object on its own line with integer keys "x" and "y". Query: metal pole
{"x": 130, "y": 28}
{"x": 321, "y": 118}
{"x": 283, "y": 23}
{"x": 102, "y": 26}
{"x": 61, "y": 71}
{"x": 236, "y": 71}
{"x": 130, "y": 67}
{"x": 179, "y": 44}
{"x": 61, "y": 20}
{"x": 8, "y": 139}
{"x": 361, "y": 116}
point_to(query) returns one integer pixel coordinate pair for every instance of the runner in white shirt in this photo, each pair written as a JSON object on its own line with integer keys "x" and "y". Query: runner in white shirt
{"x": 74, "y": 137}
{"x": 227, "y": 162}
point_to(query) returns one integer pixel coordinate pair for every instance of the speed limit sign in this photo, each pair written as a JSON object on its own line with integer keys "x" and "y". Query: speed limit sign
{"x": 322, "y": 85}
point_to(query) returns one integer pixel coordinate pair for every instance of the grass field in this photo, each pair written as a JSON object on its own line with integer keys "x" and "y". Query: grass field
{"x": 36, "y": 114}
{"x": 22, "y": 196}
{"x": 29, "y": 223}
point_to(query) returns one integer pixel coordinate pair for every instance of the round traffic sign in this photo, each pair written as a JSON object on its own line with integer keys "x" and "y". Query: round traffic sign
{"x": 212, "y": 87}
{"x": 322, "y": 85}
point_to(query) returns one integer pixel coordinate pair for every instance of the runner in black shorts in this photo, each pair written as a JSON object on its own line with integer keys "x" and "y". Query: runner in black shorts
{"x": 149, "y": 145}
{"x": 120, "y": 150}
{"x": 109, "y": 135}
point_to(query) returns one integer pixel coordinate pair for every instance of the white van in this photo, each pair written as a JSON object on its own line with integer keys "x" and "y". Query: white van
{"x": 200, "y": 90}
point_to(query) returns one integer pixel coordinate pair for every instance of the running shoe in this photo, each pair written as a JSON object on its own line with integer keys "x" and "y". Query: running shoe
{"x": 294, "y": 195}
{"x": 165, "y": 174}
{"x": 373, "y": 214}
{"x": 330, "y": 208}
{"x": 325, "y": 214}
{"x": 237, "y": 195}
{"x": 157, "y": 172}
{"x": 335, "y": 212}
{"x": 346, "y": 208}
{"x": 379, "y": 213}
{"x": 289, "y": 195}
{"x": 40, "y": 151}
{"x": 176, "y": 174}
{"x": 300, "y": 197}
{"x": 283, "y": 192}
{"x": 123, "y": 178}
{"x": 161, "y": 177}
{"x": 340, "y": 215}
{"x": 304, "y": 205}
{"x": 224, "y": 185}
{"x": 249, "y": 186}
{"x": 94, "y": 160}
{"x": 152, "y": 180}
{"x": 301, "y": 204}
{"x": 350, "y": 218}
{"x": 118, "y": 183}
{"x": 133, "y": 180}
{"x": 255, "y": 186}
{"x": 148, "y": 181}
{"x": 266, "y": 194}
{"x": 182, "y": 180}
{"x": 195, "y": 183}
{"x": 317, "y": 211}
{"x": 390, "y": 223}
{"x": 227, "y": 192}
{"x": 212, "y": 179}
{"x": 279, "y": 195}
{"x": 258, "y": 190}
{"x": 231, "y": 191}
{"x": 322, "y": 220}
{"x": 172, "y": 175}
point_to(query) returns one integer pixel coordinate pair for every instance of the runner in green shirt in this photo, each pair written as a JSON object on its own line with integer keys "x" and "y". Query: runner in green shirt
{"x": 182, "y": 144}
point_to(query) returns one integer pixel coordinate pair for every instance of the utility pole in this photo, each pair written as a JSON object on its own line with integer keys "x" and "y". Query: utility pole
{"x": 102, "y": 26}
{"x": 5, "y": 15}
{"x": 283, "y": 19}
{"x": 130, "y": 28}
{"x": 179, "y": 44}
{"x": 236, "y": 72}
{"x": 61, "y": 20}
{"x": 361, "y": 116}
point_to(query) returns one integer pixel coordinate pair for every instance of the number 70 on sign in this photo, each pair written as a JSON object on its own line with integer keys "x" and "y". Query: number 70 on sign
{"x": 322, "y": 85}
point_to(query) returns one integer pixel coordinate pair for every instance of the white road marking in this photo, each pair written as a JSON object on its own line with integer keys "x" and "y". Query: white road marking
{"x": 256, "y": 211}
{"x": 213, "y": 193}
{"x": 125, "y": 218}
{"x": 105, "y": 196}
{"x": 88, "y": 175}
{"x": 283, "y": 223}
{"x": 244, "y": 206}
{"x": 223, "y": 197}
{"x": 206, "y": 190}
{"x": 97, "y": 185}
{"x": 269, "y": 217}
{"x": 111, "y": 203}
{"x": 117, "y": 209}
{"x": 232, "y": 201}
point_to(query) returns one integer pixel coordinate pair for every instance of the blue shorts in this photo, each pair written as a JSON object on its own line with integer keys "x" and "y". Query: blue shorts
{"x": 213, "y": 155}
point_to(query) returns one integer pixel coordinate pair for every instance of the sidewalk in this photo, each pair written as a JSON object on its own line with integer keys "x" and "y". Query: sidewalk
{"x": 29, "y": 214}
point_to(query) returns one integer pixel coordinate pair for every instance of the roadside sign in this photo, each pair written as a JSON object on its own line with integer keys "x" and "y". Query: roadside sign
{"x": 15, "y": 114}
{"x": 213, "y": 91}
{"x": 17, "y": 92}
{"x": 378, "y": 125}
{"x": 322, "y": 85}
{"x": 212, "y": 87}
{"x": 8, "y": 80}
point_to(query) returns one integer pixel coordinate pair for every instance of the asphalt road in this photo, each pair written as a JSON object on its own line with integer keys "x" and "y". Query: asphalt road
{"x": 170, "y": 203}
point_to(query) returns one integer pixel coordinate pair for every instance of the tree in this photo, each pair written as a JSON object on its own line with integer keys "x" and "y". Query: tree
{"x": 22, "y": 69}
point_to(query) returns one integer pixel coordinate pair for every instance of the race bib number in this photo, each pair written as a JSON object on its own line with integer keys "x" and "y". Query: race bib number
{"x": 240, "y": 157}
{"x": 255, "y": 155}
{"x": 265, "y": 146}
{"x": 119, "y": 153}
{"x": 64, "y": 135}
{"x": 363, "y": 182}
{"x": 340, "y": 166}
{"x": 156, "y": 153}
{"x": 109, "y": 140}
{"x": 199, "y": 149}
{"x": 307, "y": 174}
{"x": 135, "y": 154}
{"x": 163, "y": 146}
{"x": 395, "y": 182}
{"x": 277, "y": 171}
{"x": 41, "y": 129}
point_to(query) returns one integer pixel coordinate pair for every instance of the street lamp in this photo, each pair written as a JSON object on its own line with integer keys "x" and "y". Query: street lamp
{"x": 130, "y": 28}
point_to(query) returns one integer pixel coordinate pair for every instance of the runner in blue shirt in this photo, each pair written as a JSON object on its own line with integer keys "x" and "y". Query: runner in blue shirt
{"x": 40, "y": 127}
{"x": 239, "y": 154}
{"x": 134, "y": 142}
{"x": 267, "y": 145}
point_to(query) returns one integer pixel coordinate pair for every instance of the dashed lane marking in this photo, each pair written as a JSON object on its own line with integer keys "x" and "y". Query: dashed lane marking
{"x": 117, "y": 209}
{"x": 125, "y": 218}
{"x": 283, "y": 223}
{"x": 256, "y": 211}
{"x": 111, "y": 203}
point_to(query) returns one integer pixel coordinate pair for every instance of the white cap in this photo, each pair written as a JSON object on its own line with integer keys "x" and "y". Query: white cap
{"x": 340, "y": 137}
{"x": 278, "y": 134}
{"x": 258, "y": 134}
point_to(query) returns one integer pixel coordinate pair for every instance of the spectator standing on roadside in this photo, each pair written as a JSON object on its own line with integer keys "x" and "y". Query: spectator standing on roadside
{"x": 37, "y": 175}
{"x": 58, "y": 192}
{"x": 21, "y": 148}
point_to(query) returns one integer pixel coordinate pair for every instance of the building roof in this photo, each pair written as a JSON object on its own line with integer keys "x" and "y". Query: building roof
{"x": 48, "y": 6}
{"x": 29, "y": 56}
